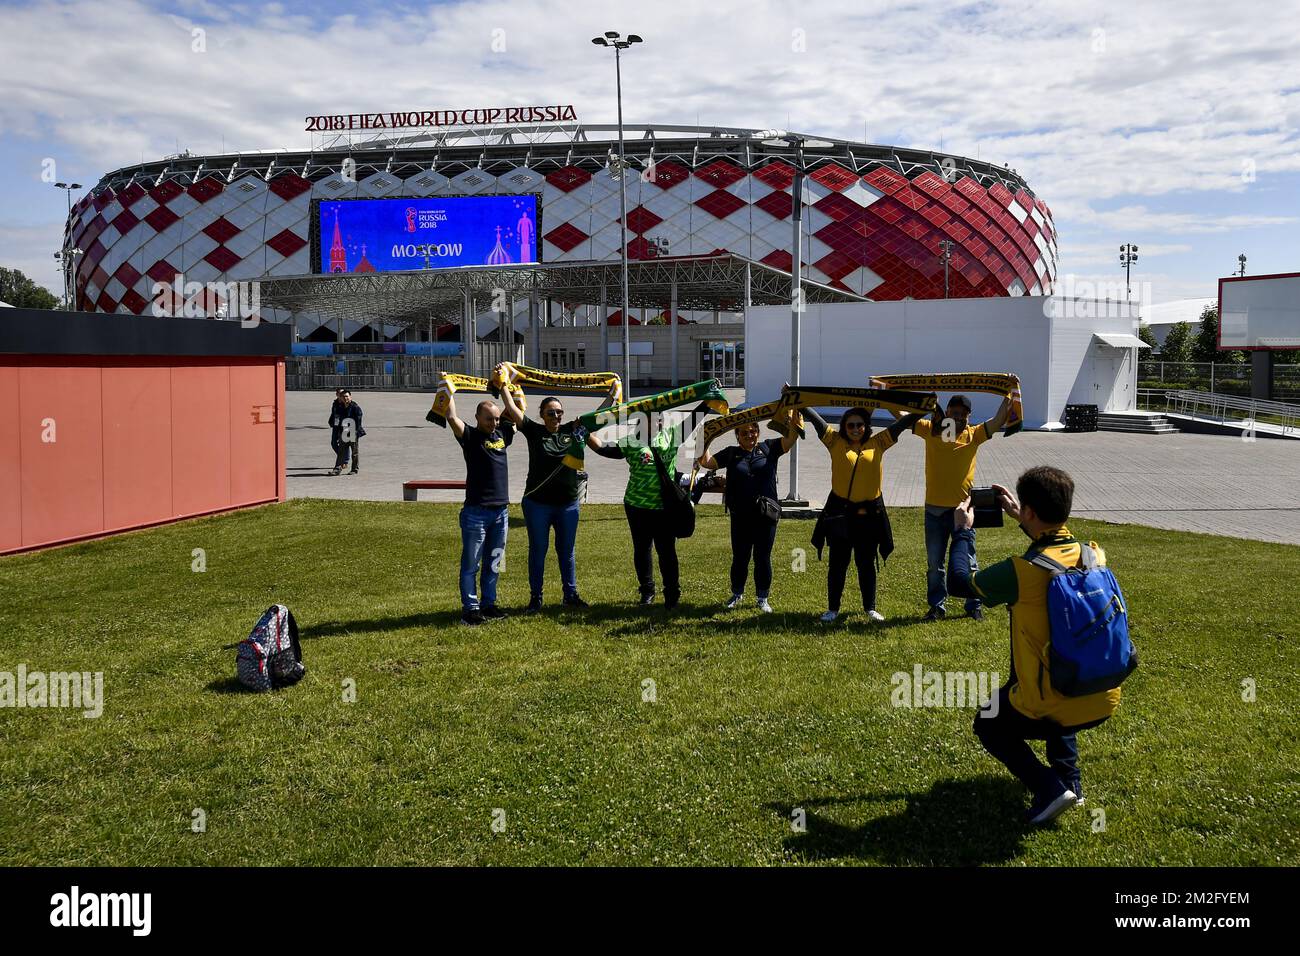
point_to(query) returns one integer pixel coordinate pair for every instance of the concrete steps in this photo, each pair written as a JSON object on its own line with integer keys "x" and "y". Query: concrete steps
{"x": 1145, "y": 423}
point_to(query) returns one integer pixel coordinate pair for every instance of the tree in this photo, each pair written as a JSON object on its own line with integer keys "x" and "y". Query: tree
{"x": 1147, "y": 336}
{"x": 22, "y": 293}
{"x": 1178, "y": 344}
{"x": 1205, "y": 347}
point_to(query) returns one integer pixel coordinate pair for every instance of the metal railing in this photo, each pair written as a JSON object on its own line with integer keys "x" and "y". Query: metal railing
{"x": 1223, "y": 408}
{"x": 1218, "y": 377}
{"x": 389, "y": 372}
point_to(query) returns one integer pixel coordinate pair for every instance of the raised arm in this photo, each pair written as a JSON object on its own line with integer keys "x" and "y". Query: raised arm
{"x": 995, "y": 423}
{"x": 457, "y": 426}
{"x": 614, "y": 389}
{"x": 903, "y": 424}
{"x": 509, "y": 409}
{"x": 792, "y": 436}
{"x": 818, "y": 423}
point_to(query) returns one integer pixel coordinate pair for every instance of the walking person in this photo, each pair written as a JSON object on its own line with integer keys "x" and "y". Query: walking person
{"x": 751, "y": 499}
{"x": 346, "y": 432}
{"x": 483, "y": 519}
{"x": 854, "y": 520}
{"x": 553, "y": 492}
{"x": 951, "y": 444}
{"x": 336, "y": 427}
{"x": 643, "y": 504}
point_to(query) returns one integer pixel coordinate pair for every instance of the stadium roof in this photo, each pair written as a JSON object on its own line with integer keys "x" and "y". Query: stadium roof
{"x": 550, "y": 146}
{"x": 703, "y": 282}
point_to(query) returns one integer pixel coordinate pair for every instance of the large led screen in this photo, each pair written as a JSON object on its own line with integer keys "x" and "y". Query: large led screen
{"x": 392, "y": 235}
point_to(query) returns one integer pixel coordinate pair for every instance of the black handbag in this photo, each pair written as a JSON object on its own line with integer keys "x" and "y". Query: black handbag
{"x": 678, "y": 506}
{"x": 768, "y": 508}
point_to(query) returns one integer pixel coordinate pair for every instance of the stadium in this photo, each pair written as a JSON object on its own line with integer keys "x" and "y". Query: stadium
{"x": 716, "y": 201}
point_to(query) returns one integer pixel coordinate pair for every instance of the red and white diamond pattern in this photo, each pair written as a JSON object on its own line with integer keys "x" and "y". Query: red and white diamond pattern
{"x": 876, "y": 234}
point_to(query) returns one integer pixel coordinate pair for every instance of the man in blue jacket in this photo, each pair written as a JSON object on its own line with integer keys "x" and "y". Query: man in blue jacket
{"x": 346, "y": 432}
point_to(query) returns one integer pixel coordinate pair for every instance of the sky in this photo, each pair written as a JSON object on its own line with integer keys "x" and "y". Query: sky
{"x": 1170, "y": 124}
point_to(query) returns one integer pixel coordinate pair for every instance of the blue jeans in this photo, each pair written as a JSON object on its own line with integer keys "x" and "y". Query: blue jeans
{"x": 482, "y": 543}
{"x": 1004, "y": 737}
{"x": 938, "y": 544}
{"x": 540, "y": 518}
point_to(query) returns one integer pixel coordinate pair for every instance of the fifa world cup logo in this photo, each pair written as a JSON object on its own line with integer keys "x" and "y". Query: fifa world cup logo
{"x": 410, "y": 219}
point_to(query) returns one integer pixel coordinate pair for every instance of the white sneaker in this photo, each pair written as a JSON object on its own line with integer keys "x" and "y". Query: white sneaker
{"x": 829, "y": 617}
{"x": 735, "y": 601}
{"x": 764, "y": 606}
{"x": 875, "y": 615}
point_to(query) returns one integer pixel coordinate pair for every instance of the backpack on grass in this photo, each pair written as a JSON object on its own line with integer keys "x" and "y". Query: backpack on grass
{"x": 270, "y": 657}
{"x": 1089, "y": 650}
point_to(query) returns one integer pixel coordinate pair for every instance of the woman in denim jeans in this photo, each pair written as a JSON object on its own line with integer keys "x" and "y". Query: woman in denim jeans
{"x": 553, "y": 493}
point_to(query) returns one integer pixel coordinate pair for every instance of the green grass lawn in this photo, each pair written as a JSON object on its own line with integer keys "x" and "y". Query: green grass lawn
{"x": 543, "y": 717}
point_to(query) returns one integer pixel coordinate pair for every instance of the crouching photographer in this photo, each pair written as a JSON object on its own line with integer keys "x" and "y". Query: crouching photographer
{"x": 1069, "y": 638}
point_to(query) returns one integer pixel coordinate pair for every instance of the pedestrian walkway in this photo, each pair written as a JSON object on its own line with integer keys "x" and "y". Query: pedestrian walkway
{"x": 1211, "y": 483}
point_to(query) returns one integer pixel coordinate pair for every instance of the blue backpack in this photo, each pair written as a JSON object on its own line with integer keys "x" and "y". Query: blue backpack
{"x": 1089, "y": 650}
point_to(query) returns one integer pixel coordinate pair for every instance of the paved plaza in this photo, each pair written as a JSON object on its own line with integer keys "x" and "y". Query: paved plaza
{"x": 1209, "y": 483}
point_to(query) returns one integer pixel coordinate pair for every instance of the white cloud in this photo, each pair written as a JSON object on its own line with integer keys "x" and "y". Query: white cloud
{"x": 1089, "y": 102}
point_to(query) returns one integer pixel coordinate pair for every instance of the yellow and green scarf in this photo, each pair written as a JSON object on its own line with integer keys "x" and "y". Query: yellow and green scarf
{"x": 902, "y": 401}
{"x": 707, "y": 393}
{"x": 514, "y": 377}
{"x": 1005, "y": 384}
{"x": 449, "y": 383}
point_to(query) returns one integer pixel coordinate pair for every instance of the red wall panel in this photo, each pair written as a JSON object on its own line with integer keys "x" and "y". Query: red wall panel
{"x": 11, "y": 523}
{"x": 138, "y": 441}
{"x": 254, "y": 426}
{"x": 200, "y": 438}
{"x": 62, "y": 486}
{"x": 137, "y": 445}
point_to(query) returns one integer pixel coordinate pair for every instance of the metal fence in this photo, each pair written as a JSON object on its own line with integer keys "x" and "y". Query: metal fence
{"x": 389, "y": 372}
{"x": 1222, "y": 408}
{"x": 1218, "y": 377}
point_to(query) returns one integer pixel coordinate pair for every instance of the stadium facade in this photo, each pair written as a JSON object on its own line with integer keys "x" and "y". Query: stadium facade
{"x": 873, "y": 221}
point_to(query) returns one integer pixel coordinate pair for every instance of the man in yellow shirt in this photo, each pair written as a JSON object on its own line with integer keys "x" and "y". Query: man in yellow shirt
{"x": 1028, "y": 707}
{"x": 951, "y": 444}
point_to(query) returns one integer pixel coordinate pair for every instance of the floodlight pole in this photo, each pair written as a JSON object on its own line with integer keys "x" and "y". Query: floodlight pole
{"x": 622, "y": 221}
{"x": 68, "y": 255}
{"x": 1128, "y": 254}
{"x": 796, "y": 301}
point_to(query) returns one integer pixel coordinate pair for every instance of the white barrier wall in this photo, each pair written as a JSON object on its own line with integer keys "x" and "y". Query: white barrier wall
{"x": 1048, "y": 342}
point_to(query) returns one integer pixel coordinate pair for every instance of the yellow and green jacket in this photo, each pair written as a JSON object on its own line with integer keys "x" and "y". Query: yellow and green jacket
{"x": 1023, "y": 587}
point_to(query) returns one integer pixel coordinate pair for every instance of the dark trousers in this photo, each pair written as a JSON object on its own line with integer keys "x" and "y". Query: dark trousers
{"x": 752, "y": 534}
{"x": 862, "y": 546}
{"x": 342, "y": 448}
{"x": 1004, "y": 737}
{"x": 650, "y": 527}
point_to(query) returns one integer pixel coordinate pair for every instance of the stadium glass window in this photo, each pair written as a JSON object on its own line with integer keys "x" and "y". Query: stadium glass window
{"x": 582, "y": 358}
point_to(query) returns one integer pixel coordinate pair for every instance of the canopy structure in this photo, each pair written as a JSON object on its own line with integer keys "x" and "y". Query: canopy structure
{"x": 1120, "y": 340}
{"x": 724, "y": 282}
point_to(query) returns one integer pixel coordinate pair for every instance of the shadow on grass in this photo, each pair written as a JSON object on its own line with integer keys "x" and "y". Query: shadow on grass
{"x": 366, "y": 625}
{"x": 954, "y": 823}
{"x": 228, "y": 685}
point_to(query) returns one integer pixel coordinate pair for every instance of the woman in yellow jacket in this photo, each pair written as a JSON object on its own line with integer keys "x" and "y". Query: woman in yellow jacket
{"x": 854, "y": 520}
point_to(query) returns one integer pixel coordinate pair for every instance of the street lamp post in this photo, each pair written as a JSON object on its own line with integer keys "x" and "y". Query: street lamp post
{"x": 71, "y": 254}
{"x": 800, "y": 143}
{"x": 944, "y": 257}
{"x": 1128, "y": 254}
{"x": 613, "y": 38}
